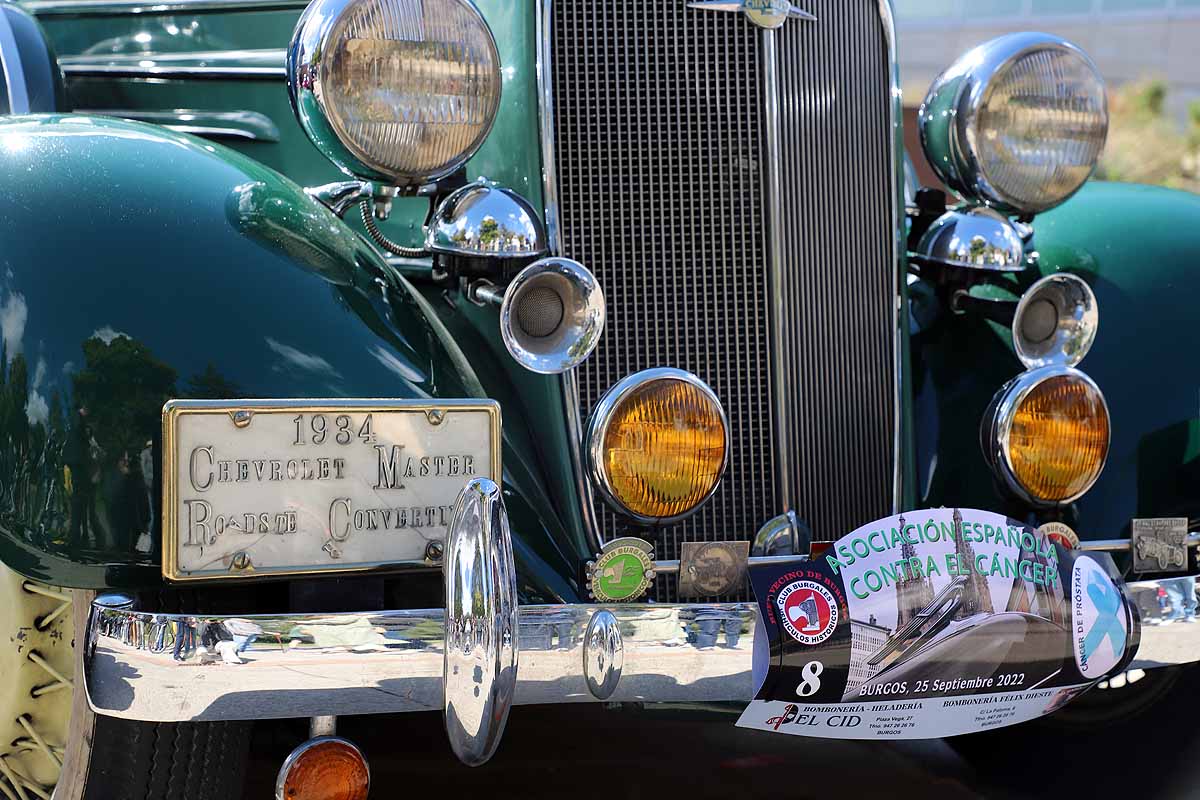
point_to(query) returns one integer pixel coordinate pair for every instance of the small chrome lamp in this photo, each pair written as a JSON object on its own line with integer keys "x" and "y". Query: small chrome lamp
{"x": 485, "y": 220}
{"x": 973, "y": 238}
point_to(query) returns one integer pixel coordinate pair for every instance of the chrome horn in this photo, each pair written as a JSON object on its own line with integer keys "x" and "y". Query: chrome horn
{"x": 1055, "y": 322}
{"x": 551, "y": 314}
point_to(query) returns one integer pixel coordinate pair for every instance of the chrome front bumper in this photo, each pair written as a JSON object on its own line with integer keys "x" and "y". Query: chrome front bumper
{"x": 392, "y": 661}
{"x": 473, "y": 660}
{"x": 462, "y": 660}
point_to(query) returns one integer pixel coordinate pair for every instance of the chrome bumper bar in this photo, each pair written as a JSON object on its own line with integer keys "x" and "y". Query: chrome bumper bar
{"x": 473, "y": 660}
{"x": 392, "y": 661}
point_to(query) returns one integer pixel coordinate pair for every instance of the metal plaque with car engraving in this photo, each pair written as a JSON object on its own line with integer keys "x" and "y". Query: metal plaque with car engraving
{"x": 1160, "y": 544}
{"x": 275, "y": 487}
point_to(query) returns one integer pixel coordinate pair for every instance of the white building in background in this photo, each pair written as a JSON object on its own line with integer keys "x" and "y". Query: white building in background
{"x": 1128, "y": 39}
{"x": 866, "y": 639}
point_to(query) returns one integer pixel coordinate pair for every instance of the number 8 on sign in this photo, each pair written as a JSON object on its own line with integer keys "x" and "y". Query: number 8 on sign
{"x": 811, "y": 683}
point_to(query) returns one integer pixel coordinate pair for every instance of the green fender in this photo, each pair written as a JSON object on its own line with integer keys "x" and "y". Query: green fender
{"x": 1138, "y": 247}
{"x": 138, "y": 265}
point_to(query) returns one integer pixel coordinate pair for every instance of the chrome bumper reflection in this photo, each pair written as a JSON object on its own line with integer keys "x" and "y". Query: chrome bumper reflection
{"x": 174, "y": 668}
{"x": 1171, "y": 635}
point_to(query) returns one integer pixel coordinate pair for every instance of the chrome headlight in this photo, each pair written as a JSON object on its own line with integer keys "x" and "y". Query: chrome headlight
{"x": 402, "y": 91}
{"x": 1017, "y": 123}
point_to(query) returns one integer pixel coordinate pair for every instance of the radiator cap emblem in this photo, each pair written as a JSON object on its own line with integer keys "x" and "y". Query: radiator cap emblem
{"x": 763, "y": 13}
{"x": 622, "y": 571}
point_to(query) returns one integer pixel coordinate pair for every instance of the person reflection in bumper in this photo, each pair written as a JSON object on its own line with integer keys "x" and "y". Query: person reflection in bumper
{"x": 1182, "y": 593}
{"x": 185, "y": 638}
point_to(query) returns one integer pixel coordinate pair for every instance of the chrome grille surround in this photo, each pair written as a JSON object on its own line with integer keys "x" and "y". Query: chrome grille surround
{"x": 626, "y": 193}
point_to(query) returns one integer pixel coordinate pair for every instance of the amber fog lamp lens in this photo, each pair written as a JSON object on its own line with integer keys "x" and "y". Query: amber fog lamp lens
{"x": 659, "y": 445}
{"x": 324, "y": 769}
{"x": 1058, "y": 439}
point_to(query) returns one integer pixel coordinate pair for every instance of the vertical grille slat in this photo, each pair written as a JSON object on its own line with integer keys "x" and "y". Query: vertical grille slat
{"x": 660, "y": 160}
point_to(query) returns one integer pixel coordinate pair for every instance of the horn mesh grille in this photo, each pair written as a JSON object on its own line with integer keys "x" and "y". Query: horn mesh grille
{"x": 540, "y": 312}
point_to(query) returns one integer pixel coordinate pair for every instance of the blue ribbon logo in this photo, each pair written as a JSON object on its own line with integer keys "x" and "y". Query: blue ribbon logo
{"x": 1109, "y": 620}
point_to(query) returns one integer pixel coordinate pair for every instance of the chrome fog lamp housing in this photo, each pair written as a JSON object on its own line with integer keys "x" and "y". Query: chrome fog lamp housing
{"x": 657, "y": 445}
{"x": 973, "y": 238}
{"x": 396, "y": 91}
{"x": 1046, "y": 435}
{"x": 1017, "y": 123}
{"x": 485, "y": 220}
{"x": 1055, "y": 322}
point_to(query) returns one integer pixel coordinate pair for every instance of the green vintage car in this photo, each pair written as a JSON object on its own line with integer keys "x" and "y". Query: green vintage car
{"x": 344, "y": 343}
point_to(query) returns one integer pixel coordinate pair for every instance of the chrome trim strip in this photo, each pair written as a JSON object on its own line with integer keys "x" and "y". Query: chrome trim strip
{"x": 898, "y": 248}
{"x": 10, "y": 63}
{"x": 303, "y": 665}
{"x": 568, "y": 381}
{"x": 771, "y": 170}
{"x": 248, "y": 125}
{"x": 120, "y": 7}
{"x": 268, "y": 65}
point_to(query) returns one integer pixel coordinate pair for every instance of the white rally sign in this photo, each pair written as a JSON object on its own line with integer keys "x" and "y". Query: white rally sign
{"x": 283, "y": 488}
{"x": 933, "y": 623}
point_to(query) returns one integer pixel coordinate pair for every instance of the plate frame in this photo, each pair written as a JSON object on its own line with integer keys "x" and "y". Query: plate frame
{"x": 174, "y": 409}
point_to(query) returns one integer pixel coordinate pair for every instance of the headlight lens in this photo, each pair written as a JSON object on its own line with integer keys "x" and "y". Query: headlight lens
{"x": 1049, "y": 434}
{"x": 658, "y": 445}
{"x": 397, "y": 90}
{"x": 1017, "y": 123}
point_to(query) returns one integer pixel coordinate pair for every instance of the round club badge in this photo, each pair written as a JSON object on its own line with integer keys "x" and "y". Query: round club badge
{"x": 808, "y": 611}
{"x": 1062, "y": 533}
{"x": 622, "y": 571}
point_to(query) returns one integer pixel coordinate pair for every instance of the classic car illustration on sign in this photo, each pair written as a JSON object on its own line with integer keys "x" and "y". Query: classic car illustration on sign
{"x": 386, "y": 356}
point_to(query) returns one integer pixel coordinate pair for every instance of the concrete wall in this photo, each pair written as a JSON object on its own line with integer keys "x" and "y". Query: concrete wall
{"x": 1128, "y": 39}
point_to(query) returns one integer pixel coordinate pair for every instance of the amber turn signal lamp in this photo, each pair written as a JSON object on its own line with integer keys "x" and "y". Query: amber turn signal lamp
{"x": 324, "y": 768}
{"x": 658, "y": 443}
{"x": 1048, "y": 434}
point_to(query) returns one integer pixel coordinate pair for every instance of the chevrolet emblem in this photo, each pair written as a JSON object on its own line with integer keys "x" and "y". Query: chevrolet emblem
{"x": 763, "y": 13}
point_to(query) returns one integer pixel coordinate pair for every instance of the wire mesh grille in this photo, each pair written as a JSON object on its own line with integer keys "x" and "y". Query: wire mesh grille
{"x": 659, "y": 159}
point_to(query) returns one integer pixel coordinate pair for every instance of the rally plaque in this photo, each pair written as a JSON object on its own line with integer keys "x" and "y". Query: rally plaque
{"x": 275, "y": 487}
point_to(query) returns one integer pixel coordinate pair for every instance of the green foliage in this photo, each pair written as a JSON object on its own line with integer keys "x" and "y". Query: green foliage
{"x": 122, "y": 387}
{"x": 1145, "y": 145}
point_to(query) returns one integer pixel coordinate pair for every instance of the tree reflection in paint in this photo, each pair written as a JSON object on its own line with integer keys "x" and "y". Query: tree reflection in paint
{"x": 81, "y": 481}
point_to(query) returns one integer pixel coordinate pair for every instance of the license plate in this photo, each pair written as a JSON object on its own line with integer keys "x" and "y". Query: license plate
{"x": 273, "y": 487}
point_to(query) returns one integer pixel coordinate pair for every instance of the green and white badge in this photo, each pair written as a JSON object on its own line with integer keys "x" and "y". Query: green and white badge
{"x": 622, "y": 571}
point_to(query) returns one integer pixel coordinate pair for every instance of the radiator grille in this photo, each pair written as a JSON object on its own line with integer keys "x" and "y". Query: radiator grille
{"x": 659, "y": 160}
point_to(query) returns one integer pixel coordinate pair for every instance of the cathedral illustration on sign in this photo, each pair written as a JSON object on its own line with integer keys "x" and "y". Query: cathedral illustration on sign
{"x": 874, "y": 647}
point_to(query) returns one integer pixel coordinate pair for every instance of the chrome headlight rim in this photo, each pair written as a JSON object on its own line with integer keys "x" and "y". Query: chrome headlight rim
{"x": 996, "y": 433}
{"x": 305, "y": 77}
{"x": 601, "y": 418}
{"x": 949, "y": 112}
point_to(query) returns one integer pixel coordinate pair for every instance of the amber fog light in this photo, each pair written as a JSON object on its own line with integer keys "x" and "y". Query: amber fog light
{"x": 1046, "y": 435}
{"x": 658, "y": 443}
{"x": 324, "y": 768}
